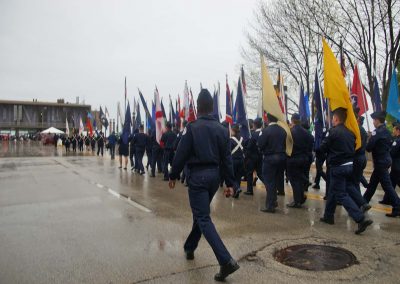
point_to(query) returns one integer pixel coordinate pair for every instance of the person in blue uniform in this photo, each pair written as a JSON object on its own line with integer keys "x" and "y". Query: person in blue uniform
{"x": 339, "y": 144}
{"x": 112, "y": 140}
{"x": 149, "y": 146}
{"x": 205, "y": 148}
{"x": 272, "y": 144}
{"x": 360, "y": 159}
{"x": 100, "y": 144}
{"x": 123, "y": 152}
{"x": 178, "y": 139}
{"x": 320, "y": 158}
{"x": 237, "y": 158}
{"x": 140, "y": 141}
{"x": 132, "y": 151}
{"x": 93, "y": 143}
{"x": 298, "y": 161}
{"x": 395, "y": 154}
{"x": 254, "y": 157}
{"x": 74, "y": 142}
{"x": 156, "y": 155}
{"x": 80, "y": 143}
{"x": 379, "y": 144}
{"x": 67, "y": 143}
{"x": 167, "y": 143}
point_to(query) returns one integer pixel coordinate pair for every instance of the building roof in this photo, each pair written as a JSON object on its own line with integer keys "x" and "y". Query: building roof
{"x": 38, "y": 103}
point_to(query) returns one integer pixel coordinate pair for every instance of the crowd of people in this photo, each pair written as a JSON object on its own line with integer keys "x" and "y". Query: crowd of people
{"x": 205, "y": 154}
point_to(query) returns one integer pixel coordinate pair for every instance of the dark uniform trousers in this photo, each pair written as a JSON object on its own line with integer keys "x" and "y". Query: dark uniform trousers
{"x": 203, "y": 184}
{"x": 112, "y": 151}
{"x": 297, "y": 176}
{"x": 156, "y": 160}
{"x": 359, "y": 164}
{"x": 238, "y": 171}
{"x": 381, "y": 175}
{"x": 132, "y": 152}
{"x": 341, "y": 188}
{"x": 139, "y": 159}
{"x": 100, "y": 149}
{"x": 167, "y": 159}
{"x": 251, "y": 166}
{"x": 319, "y": 162}
{"x": 273, "y": 169}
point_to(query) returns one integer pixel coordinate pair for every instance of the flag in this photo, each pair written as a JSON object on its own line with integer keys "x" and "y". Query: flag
{"x": 178, "y": 113}
{"x": 106, "y": 112}
{"x": 241, "y": 112}
{"x": 138, "y": 116}
{"x": 393, "y": 105}
{"x": 186, "y": 102}
{"x": 193, "y": 105}
{"x": 126, "y": 130}
{"x": 302, "y": 106}
{"x": 163, "y": 110}
{"x": 376, "y": 96}
{"x": 243, "y": 82}
{"x": 228, "y": 116}
{"x": 337, "y": 92}
{"x": 160, "y": 122}
{"x": 342, "y": 61}
{"x": 307, "y": 103}
{"x": 192, "y": 116}
{"x": 319, "y": 122}
{"x": 89, "y": 124}
{"x": 172, "y": 112}
{"x": 153, "y": 112}
{"x": 357, "y": 93}
{"x": 81, "y": 128}
{"x": 126, "y": 90}
{"x": 146, "y": 109}
{"x": 280, "y": 91}
{"x": 215, "y": 112}
{"x": 271, "y": 105}
{"x": 66, "y": 127}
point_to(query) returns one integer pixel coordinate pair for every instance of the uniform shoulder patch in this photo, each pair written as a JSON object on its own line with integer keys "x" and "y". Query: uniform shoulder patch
{"x": 374, "y": 133}
{"x": 394, "y": 143}
{"x": 184, "y": 131}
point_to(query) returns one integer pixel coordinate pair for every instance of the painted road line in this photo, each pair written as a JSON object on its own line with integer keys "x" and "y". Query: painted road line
{"x": 138, "y": 206}
{"x": 116, "y": 194}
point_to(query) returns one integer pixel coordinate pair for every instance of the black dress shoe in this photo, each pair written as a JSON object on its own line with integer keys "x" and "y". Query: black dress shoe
{"x": 237, "y": 193}
{"x": 249, "y": 193}
{"x": 395, "y": 213}
{"x": 365, "y": 207}
{"x": 293, "y": 205}
{"x": 189, "y": 255}
{"x": 152, "y": 175}
{"x": 363, "y": 225}
{"x": 316, "y": 186}
{"x": 327, "y": 221}
{"x": 226, "y": 269}
{"x": 268, "y": 210}
{"x": 304, "y": 199}
{"x": 384, "y": 202}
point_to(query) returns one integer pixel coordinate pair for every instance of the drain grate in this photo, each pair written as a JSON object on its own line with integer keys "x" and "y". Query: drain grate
{"x": 315, "y": 257}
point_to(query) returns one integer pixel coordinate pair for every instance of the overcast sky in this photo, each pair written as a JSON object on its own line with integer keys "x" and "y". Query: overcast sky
{"x": 53, "y": 49}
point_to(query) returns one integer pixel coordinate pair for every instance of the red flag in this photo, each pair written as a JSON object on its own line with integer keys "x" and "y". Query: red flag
{"x": 357, "y": 93}
{"x": 89, "y": 126}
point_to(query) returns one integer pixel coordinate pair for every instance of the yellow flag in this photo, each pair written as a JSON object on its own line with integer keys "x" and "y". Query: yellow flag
{"x": 271, "y": 105}
{"x": 336, "y": 91}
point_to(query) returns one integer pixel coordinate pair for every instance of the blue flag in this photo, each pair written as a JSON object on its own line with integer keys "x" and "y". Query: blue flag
{"x": 241, "y": 112}
{"x": 393, "y": 105}
{"x": 153, "y": 113}
{"x": 302, "y": 106}
{"x": 376, "y": 96}
{"x": 215, "y": 112}
{"x": 146, "y": 110}
{"x": 138, "y": 117}
{"x": 306, "y": 100}
{"x": 318, "y": 119}
{"x": 126, "y": 130}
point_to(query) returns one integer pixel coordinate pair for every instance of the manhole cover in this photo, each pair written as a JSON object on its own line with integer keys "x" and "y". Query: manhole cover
{"x": 315, "y": 257}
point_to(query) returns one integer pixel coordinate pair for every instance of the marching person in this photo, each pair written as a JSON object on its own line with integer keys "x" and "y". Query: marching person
{"x": 140, "y": 140}
{"x": 340, "y": 143}
{"x": 80, "y": 143}
{"x": 156, "y": 155}
{"x": 204, "y": 147}
{"x": 237, "y": 158}
{"x": 112, "y": 140}
{"x": 298, "y": 161}
{"x": 93, "y": 143}
{"x": 272, "y": 144}
{"x": 167, "y": 143}
{"x": 74, "y": 142}
{"x": 379, "y": 145}
{"x": 132, "y": 151}
{"x": 254, "y": 157}
{"x": 100, "y": 143}
{"x": 123, "y": 151}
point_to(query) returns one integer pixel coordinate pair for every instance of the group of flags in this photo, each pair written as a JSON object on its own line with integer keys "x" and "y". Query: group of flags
{"x": 88, "y": 122}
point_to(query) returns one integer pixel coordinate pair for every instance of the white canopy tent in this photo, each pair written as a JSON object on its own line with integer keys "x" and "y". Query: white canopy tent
{"x": 52, "y": 130}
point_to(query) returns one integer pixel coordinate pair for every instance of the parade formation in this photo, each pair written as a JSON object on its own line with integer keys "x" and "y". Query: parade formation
{"x": 195, "y": 148}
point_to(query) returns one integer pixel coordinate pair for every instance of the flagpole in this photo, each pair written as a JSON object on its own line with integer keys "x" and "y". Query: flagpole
{"x": 322, "y": 103}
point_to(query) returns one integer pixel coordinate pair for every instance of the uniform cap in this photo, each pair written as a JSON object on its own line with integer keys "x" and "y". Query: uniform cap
{"x": 379, "y": 115}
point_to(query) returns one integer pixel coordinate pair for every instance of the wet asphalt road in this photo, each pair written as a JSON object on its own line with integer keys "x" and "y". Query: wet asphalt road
{"x": 79, "y": 219}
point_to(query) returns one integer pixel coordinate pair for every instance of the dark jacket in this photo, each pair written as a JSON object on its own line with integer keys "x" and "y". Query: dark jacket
{"x": 272, "y": 140}
{"x": 379, "y": 144}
